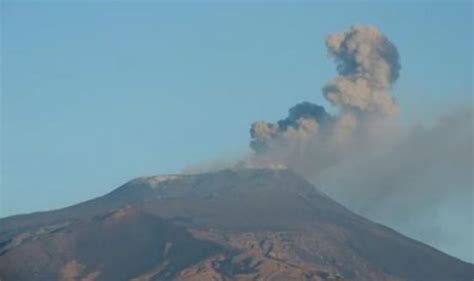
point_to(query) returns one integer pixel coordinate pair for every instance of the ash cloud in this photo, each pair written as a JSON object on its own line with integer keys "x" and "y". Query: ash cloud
{"x": 367, "y": 64}
{"x": 422, "y": 185}
{"x": 304, "y": 121}
{"x": 418, "y": 180}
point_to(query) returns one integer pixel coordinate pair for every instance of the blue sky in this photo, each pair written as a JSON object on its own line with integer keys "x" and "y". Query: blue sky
{"x": 94, "y": 94}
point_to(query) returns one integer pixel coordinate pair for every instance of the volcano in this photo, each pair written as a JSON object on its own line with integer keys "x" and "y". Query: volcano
{"x": 236, "y": 224}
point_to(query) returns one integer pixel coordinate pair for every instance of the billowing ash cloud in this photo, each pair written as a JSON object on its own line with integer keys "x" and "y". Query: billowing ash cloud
{"x": 418, "y": 181}
{"x": 367, "y": 63}
{"x": 304, "y": 120}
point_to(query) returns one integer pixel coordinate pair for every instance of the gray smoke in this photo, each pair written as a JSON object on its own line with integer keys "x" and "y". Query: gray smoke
{"x": 418, "y": 180}
{"x": 367, "y": 63}
{"x": 304, "y": 121}
{"x": 422, "y": 185}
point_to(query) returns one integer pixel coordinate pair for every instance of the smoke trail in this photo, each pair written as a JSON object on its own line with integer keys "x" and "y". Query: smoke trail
{"x": 422, "y": 185}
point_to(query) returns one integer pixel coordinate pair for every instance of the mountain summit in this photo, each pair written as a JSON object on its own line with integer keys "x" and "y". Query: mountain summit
{"x": 239, "y": 224}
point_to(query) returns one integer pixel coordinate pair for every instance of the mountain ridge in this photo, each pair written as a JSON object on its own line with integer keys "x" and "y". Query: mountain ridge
{"x": 250, "y": 224}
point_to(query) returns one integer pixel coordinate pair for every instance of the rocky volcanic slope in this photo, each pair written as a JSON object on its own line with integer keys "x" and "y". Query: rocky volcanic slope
{"x": 246, "y": 224}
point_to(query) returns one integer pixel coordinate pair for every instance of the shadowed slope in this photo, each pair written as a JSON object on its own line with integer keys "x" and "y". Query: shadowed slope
{"x": 245, "y": 224}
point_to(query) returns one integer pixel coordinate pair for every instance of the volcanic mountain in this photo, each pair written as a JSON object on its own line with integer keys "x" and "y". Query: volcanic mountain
{"x": 237, "y": 224}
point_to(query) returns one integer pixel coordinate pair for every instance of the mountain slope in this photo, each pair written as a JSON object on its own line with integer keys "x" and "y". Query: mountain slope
{"x": 244, "y": 224}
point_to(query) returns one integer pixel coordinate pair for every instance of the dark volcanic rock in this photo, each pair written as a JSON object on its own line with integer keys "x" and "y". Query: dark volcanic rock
{"x": 244, "y": 224}
{"x": 118, "y": 245}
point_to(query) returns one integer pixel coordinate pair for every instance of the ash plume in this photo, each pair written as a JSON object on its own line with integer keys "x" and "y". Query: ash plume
{"x": 416, "y": 179}
{"x": 422, "y": 185}
{"x": 367, "y": 64}
{"x": 304, "y": 121}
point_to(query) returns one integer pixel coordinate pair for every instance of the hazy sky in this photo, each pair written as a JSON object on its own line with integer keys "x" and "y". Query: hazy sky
{"x": 94, "y": 94}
